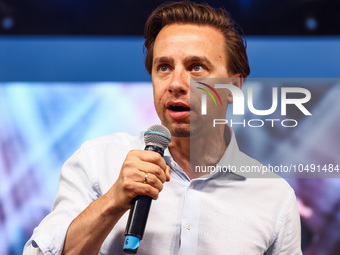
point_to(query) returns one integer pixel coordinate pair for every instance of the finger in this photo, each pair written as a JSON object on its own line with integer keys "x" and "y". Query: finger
{"x": 150, "y": 156}
{"x": 151, "y": 168}
{"x": 152, "y": 180}
{"x": 143, "y": 189}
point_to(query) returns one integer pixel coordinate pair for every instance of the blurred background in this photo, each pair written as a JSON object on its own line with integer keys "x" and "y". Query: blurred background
{"x": 74, "y": 70}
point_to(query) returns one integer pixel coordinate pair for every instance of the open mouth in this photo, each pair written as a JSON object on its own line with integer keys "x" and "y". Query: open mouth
{"x": 178, "y": 108}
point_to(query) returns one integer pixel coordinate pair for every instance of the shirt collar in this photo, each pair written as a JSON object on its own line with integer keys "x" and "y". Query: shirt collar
{"x": 231, "y": 158}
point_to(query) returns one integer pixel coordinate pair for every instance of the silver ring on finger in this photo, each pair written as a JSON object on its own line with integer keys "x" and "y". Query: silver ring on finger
{"x": 146, "y": 178}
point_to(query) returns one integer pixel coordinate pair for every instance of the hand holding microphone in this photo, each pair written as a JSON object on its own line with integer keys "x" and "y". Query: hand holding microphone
{"x": 130, "y": 183}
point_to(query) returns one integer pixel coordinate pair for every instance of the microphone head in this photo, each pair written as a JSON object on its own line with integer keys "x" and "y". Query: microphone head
{"x": 157, "y": 135}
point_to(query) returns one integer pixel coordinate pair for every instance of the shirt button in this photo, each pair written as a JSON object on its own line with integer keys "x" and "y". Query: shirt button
{"x": 192, "y": 185}
{"x": 173, "y": 164}
{"x": 188, "y": 226}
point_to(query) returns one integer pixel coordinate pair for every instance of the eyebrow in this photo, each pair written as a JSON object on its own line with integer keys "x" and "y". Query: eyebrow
{"x": 163, "y": 60}
{"x": 200, "y": 59}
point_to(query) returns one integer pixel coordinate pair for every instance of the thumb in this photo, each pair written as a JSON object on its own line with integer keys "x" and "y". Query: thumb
{"x": 167, "y": 173}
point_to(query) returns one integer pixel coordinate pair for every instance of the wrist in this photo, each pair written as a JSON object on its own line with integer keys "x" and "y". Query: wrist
{"x": 110, "y": 207}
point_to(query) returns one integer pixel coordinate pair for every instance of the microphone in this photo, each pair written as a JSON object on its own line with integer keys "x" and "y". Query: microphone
{"x": 157, "y": 138}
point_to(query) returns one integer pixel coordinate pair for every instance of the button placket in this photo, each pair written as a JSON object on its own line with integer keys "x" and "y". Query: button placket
{"x": 190, "y": 219}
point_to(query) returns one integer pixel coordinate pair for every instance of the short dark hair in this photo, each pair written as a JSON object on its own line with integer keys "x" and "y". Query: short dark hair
{"x": 187, "y": 12}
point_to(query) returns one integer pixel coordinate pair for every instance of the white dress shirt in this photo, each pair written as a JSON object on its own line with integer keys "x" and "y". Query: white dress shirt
{"x": 220, "y": 213}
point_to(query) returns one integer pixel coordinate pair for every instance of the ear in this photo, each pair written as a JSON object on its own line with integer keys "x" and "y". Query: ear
{"x": 237, "y": 81}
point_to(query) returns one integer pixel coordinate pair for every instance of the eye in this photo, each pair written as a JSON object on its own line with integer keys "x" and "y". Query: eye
{"x": 197, "y": 68}
{"x": 163, "y": 68}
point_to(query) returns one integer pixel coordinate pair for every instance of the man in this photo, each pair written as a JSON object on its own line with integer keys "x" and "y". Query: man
{"x": 195, "y": 213}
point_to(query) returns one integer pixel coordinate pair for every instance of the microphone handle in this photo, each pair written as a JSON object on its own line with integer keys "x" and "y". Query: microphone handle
{"x": 138, "y": 216}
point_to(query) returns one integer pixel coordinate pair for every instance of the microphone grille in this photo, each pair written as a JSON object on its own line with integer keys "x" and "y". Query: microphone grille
{"x": 157, "y": 135}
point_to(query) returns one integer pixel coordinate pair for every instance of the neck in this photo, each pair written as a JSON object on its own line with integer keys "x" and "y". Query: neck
{"x": 192, "y": 152}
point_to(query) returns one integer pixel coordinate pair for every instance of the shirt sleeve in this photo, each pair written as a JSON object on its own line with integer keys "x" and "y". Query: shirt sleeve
{"x": 77, "y": 189}
{"x": 287, "y": 237}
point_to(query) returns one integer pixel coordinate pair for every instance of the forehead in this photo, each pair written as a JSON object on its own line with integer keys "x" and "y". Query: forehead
{"x": 189, "y": 39}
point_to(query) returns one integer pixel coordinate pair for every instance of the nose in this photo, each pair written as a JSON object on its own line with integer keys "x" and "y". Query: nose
{"x": 180, "y": 82}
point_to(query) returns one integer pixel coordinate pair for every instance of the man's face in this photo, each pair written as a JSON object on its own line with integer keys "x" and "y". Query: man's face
{"x": 181, "y": 52}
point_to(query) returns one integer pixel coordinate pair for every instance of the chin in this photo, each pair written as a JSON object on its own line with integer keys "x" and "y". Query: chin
{"x": 178, "y": 129}
{"x": 180, "y": 133}
{"x": 187, "y": 132}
